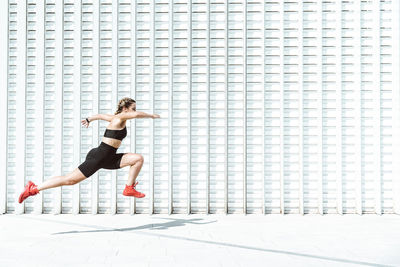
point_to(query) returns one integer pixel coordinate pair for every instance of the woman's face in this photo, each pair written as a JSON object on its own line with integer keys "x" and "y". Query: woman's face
{"x": 132, "y": 107}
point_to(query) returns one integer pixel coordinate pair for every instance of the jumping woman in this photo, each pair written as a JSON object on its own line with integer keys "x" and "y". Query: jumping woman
{"x": 104, "y": 156}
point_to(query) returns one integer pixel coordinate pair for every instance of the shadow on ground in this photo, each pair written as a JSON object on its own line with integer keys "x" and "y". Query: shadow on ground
{"x": 182, "y": 222}
{"x": 151, "y": 226}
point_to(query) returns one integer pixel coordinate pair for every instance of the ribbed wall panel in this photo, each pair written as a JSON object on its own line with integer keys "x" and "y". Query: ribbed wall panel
{"x": 217, "y": 105}
{"x": 266, "y": 106}
{"x": 32, "y": 107}
{"x": 181, "y": 108}
{"x": 68, "y": 100}
{"x": 161, "y": 105}
{"x": 124, "y": 88}
{"x": 4, "y": 65}
{"x": 107, "y": 102}
{"x": 13, "y": 53}
{"x": 144, "y": 78}
{"x": 199, "y": 108}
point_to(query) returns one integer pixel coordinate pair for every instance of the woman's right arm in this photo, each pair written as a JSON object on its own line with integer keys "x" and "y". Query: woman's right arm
{"x": 137, "y": 115}
{"x": 105, "y": 117}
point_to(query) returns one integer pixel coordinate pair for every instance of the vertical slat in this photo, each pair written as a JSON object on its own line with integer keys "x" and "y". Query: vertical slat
{"x": 226, "y": 107}
{"x": 77, "y": 99}
{"x": 39, "y": 100}
{"x": 12, "y": 61}
{"x": 245, "y": 107}
{"x": 282, "y": 110}
{"x": 95, "y": 89}
{"x": 396, "y": 103}
{"x": 319, "y": 106}
{"x": 338, "y": 78}
{"x": 377, "y": 105}
{"x": 170, "y": 104}
{"x": 20, "y": 101}
{"x": 301, "y": 90}
{"x": 114, "y": 92}
{"x": 386, "y": 111}
{"x": 189, "y": 129}
{"x": 70, "y": 122}
{"x": 133, "y": 88}
{"x": 124, "y": 90}
{"x": 3, "y": 103}
{"x": 263, "y": 108}
{"x": 58, "y": 95}
{"x": 151, "y": 148}
{"x": 208, "y": 109}
{"x": 358, "y": 98}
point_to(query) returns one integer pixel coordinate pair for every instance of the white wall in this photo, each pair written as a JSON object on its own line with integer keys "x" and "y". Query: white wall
{"x": 266, "y": 107}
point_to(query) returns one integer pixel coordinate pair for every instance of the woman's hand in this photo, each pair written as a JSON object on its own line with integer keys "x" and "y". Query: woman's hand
{"x": 85, "y": 123}
{"x": 156, "y": 116}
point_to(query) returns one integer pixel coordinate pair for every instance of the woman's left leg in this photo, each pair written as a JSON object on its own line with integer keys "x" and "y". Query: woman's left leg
{"x": 71, "y": 178}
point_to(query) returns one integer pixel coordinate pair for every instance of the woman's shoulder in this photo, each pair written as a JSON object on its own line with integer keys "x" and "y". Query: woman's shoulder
{"x": 117, "y": 122}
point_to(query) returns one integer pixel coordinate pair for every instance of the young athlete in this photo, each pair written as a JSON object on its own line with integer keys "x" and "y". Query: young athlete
{"x": 104, "y": 156}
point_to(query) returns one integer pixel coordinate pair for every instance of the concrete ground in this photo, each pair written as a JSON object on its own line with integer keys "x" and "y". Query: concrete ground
{"x": 199, "y": 240}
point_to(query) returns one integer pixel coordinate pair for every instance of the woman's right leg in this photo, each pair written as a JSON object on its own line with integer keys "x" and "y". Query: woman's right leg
{"x": 135, "y": 161}
{"x": 71, "y": 178}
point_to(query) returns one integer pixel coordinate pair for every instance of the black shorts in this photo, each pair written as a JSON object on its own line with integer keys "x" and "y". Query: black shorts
{"x": 102, "y": 157}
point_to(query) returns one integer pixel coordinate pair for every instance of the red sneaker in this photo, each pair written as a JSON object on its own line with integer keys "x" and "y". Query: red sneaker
{"x": 30, "y": 190}
{"x": 130, "y": 191}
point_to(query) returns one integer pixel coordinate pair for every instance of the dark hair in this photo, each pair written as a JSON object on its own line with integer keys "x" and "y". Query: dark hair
{"x": 124, "y": 102}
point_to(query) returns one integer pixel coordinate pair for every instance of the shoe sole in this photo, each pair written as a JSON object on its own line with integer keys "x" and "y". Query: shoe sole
{"x": 133, "y": 196}
{"x": 20, "y": 200}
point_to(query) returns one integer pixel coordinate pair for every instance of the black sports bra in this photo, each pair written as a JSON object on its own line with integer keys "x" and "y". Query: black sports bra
{"x": 116, "y": 134}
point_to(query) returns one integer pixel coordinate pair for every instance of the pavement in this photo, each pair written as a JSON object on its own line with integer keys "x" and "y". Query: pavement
{"x": 199, "y": 240}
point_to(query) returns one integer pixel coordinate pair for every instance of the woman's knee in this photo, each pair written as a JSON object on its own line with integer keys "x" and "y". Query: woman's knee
{"x": 130, "y": 159}
{"x": 74, "y": 177}
{"x": 136, "y": 159}
{"x": 141, "y": 159}
{"x": 69, "y": 181}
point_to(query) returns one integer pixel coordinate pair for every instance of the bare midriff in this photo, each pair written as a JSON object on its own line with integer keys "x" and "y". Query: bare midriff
{"x": 112, "y": 142}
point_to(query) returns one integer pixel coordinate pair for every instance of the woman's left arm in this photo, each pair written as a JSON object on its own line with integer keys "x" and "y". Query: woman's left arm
{"x": 104, "y": 117}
